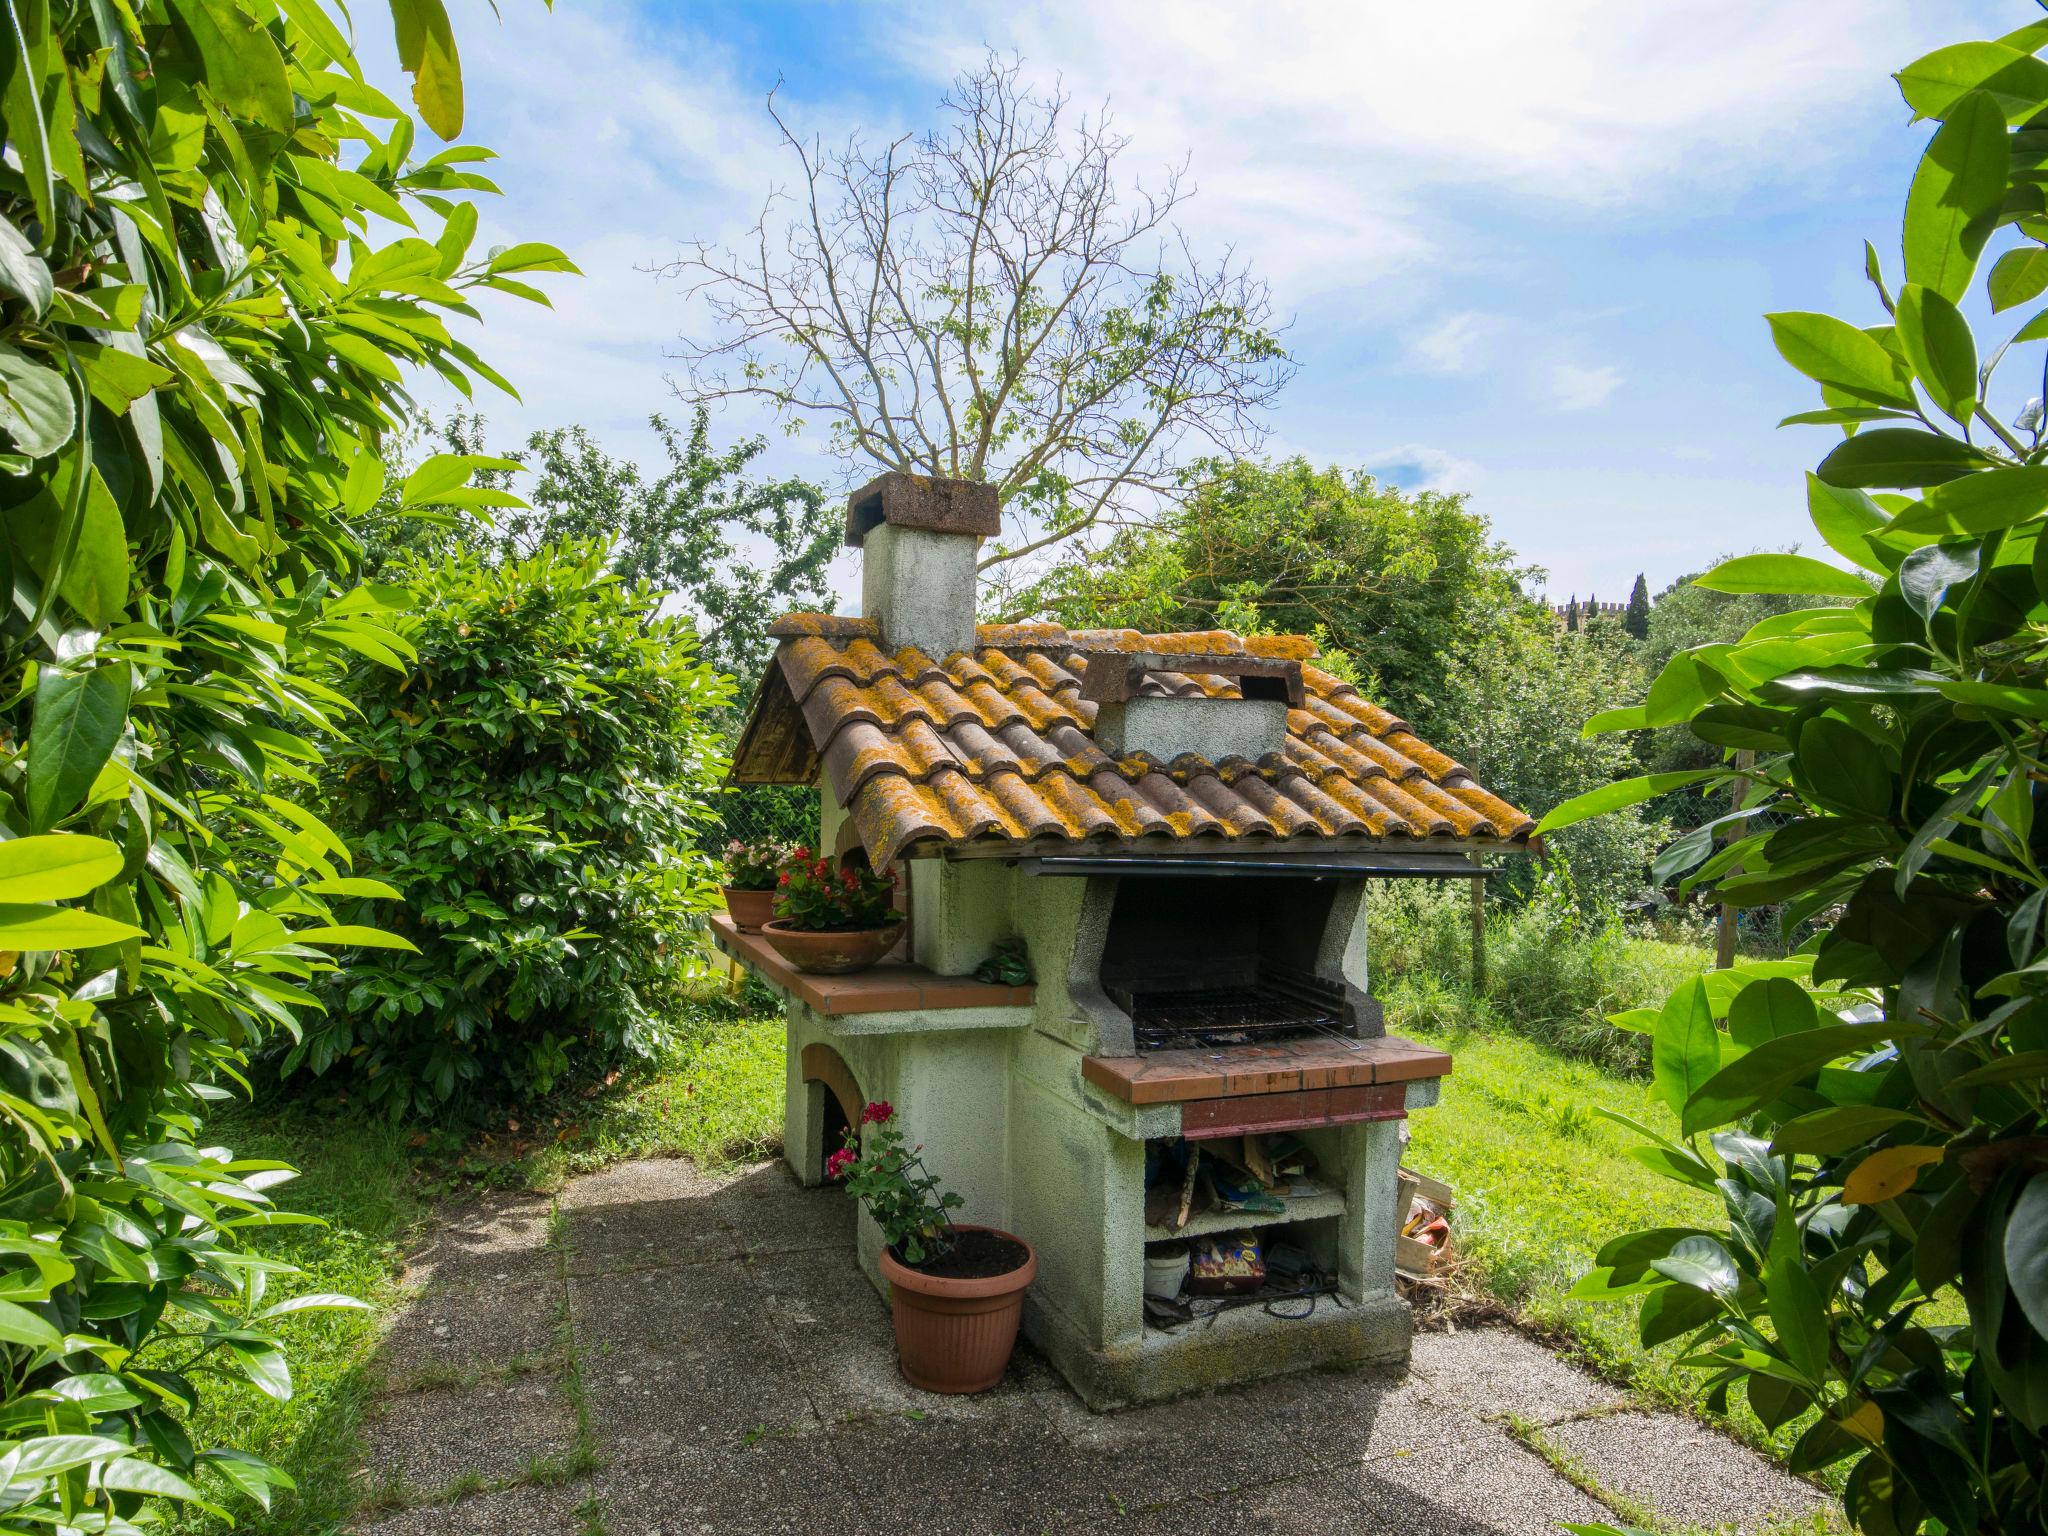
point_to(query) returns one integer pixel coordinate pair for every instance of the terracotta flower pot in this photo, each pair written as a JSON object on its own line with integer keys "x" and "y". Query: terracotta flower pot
{"x": 831, "y": 951}
{"x": 956, "y": 1335}
{"x": 751, "y": 910}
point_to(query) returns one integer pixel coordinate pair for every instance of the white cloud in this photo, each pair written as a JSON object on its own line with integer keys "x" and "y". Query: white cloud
{"x": 1575, "y": 387}
{"x": 1325, "y": 137}
{"x": 1458, "y": 343}
{"x": 1423, "y": 467}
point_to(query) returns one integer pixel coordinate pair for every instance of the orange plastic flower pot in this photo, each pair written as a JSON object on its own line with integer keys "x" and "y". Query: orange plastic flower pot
{"x": 957, "y": 1335}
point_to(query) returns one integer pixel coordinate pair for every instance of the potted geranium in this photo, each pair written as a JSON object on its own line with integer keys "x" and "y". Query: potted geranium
{"x": 956, "y": 1291}
{"x": 750, "y": 871}
{"x": 830, "y": 921}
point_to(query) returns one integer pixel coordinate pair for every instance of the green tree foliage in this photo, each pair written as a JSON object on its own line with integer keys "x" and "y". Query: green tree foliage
{"x": 1636, "y": 617}
{"x": 1387, "y": 582}
{"x": 734, "y": 551}
{"x": 1408, "y": 593}
{"x": 532, "y": 781}
{"x": 200, "y": 346}
{"x": 1872, "y": 1111}
{"x": 1513, "y": 704}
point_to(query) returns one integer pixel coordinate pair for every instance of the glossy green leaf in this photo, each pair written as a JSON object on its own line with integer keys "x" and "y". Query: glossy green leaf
{"x": 79, "y": 719}
{"x": 1997, "y": 498}
{"x": 1702, "y": 1263}
{"x": 2028, "y": 703}
{"x": 242, "y": 64}
{"x": 2015, "y": 81}
{"x": 1612, "y": 797}
{"x": 2026, "y": 1252}
{"x": 353, "y": 936}
{"x": 1836, "y": 353}
{"x": 1845, "y": 519}
{"x": 1938, "y": 344}
{"x": 1753, "y": 1080}
{"x": 55, "y": 867}
{"x": 1898, "y": 456}
{"x": 37, "y": 412}
{"x": 1828, "y": 1132}
{"x": 1791, "y": 575}
{"x": 1927, "y": 574}
{"x": 1794, "y": 1300}
{"x": 1839, "y": 767}
{"x": 47, "y": 927}
{"x": 1685, "y": 1046}
{"x": 426, "y": 51}
{"x": 1953, "y": 203}
{"x": 23, "y": 272}
{"x": 2019, "y": 275}
{"x": 1769, "y": 1009}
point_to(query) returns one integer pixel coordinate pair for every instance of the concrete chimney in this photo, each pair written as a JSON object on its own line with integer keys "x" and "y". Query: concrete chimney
{"x": 918, "y": 537}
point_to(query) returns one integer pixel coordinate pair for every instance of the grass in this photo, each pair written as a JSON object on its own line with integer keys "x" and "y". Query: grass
{"x": 1552, "y": 973}
{"x": 716, "y": 1098}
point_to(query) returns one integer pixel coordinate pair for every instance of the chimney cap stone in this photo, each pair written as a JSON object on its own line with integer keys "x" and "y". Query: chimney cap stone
{"x": 923, "y": 501}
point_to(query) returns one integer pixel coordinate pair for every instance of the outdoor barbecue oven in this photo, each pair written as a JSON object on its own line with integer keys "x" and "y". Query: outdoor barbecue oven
{"x": 1179, "y": 829}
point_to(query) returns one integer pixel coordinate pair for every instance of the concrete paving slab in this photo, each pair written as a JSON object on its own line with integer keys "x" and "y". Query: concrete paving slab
{"x": 794, "y": 1222}
{"x": 497, "y": 1240}
{"x": 710, "y": 1309}
{"x": 740, "y": 1376}
{"x": 1171, "y": 1451}
{"x": 776, "y": 1486}
{"x": 763, "y": 1180}
{"x": 651, "y": 1231}
{"x": 648, "y": 1404}
{"x": 1481, "y": 1485}
{"x": 1687, "y": 1472}
{"x": 820, "y": 1287}
{"x": 1343, "y": 1418}
{"x": 529, "y": 1510}
{"x": 1007, "y": 1475}
{"x": 425, "y": 1442}
{"x": 655, "y": 1178}
{"x": 1495, "y": 1371}
{"x": 444, "y": 1337}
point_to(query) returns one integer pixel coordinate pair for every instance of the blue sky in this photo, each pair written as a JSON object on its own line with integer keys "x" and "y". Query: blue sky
{"x": 1526, "y": 248}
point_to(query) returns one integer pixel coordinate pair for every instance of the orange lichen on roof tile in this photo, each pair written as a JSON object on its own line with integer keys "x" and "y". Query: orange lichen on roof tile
{"x": 997, "y": 746}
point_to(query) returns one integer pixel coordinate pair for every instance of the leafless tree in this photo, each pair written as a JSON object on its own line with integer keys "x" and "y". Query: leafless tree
{"x": 985, "y": 301}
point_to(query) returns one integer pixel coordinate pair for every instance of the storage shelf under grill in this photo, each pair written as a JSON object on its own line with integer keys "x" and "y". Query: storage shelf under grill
{"x": 1301, "y": 1208}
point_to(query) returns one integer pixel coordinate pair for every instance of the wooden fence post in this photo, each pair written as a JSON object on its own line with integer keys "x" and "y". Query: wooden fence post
{"x": 1478, "y": 934}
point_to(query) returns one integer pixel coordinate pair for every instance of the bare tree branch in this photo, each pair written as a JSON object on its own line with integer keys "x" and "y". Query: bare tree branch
{"x": 986, "y": 300}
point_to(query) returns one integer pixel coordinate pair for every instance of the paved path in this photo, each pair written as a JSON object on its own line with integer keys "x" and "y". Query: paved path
{"x": 662, "y": 1353}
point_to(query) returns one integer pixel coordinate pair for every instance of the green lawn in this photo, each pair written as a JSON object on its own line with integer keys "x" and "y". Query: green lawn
{"x": 1541, "y": 1182}
{"x": 717, "y": 1097}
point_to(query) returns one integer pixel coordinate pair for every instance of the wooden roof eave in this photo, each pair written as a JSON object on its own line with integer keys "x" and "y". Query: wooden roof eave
{"x": 775, "y": 744}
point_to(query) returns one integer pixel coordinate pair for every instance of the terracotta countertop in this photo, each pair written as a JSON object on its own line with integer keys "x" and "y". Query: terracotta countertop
{"x": 1292, "y": 1066}
{"x": 894, "y": 986}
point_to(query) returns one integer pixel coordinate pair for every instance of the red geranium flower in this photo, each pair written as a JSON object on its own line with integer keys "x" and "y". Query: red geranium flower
{"x": 878, "y": 1113}
{"x": 838, "y": 1163}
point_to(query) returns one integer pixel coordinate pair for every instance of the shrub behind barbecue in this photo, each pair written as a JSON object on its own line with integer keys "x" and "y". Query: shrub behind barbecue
{"x": 535, "y": 785}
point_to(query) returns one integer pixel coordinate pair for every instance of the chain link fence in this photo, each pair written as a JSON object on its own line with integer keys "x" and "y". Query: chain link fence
{"x": 782, "y": 813}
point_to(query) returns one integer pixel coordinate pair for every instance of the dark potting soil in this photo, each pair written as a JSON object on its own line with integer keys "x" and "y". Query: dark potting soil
{"x": 976, "y": 1256}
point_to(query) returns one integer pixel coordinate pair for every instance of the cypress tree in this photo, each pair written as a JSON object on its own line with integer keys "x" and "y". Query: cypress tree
{"x": 1571, "y": 616}
{"x": 1637, "y": 619}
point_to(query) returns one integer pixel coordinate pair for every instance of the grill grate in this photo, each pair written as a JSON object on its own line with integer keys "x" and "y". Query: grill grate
{"x": 1220, "y": 1016}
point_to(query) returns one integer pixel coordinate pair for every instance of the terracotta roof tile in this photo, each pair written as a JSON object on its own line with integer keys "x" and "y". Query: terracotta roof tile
{"x": 998, "y": 746}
